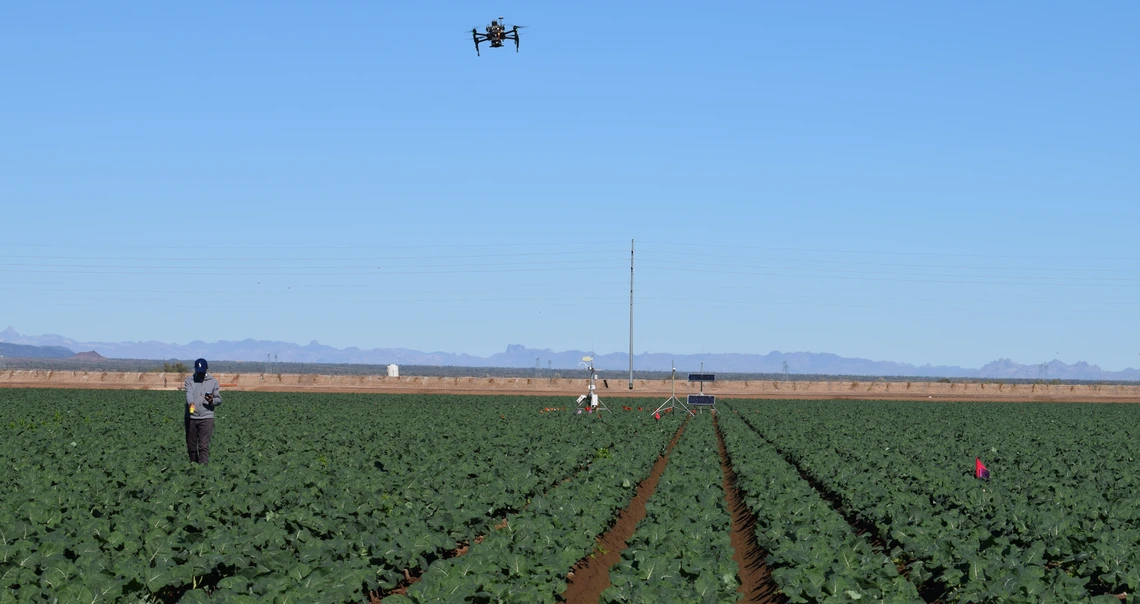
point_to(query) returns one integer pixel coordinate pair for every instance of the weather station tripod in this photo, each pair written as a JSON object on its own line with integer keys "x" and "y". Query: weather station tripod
{"x": 672, "y": 400}
{"x": 590, "y": 399}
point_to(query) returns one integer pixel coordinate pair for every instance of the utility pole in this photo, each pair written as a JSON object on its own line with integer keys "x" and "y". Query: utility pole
{"x": 631, "y": 314}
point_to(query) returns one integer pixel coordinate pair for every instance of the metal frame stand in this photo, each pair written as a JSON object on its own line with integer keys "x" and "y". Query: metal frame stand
{"x": 702, "y": 393}
{"x": 591, "y": 396}
{"x": 672, "y": 400}
{"x": 701, "y": 379}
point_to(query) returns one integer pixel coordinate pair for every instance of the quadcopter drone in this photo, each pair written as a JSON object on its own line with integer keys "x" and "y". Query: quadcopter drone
{"x": 496, "y": 33}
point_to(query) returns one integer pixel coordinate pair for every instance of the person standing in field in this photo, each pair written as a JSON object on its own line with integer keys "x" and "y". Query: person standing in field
{"x": 203, "y": 395}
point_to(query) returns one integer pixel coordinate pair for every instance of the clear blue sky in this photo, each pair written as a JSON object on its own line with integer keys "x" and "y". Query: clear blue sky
{"x": 943, "y": 183}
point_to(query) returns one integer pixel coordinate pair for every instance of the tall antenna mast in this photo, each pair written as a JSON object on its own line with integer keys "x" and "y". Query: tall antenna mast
{"x": 631, "y": 314}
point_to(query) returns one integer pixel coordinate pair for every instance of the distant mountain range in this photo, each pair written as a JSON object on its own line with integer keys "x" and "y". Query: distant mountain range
{"x": 34, "y": 352}
{"x": 12, "y": 344}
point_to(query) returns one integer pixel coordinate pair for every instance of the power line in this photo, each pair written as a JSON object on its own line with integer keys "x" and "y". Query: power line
{"x": 916, "y": 274}
{"x": 310, "y": 247}
{"x": 369, "y": 258}
{"x": 264, "y": 267}
{"x": 826, "y": 251}
{"x": 948, "y": 281}
{"x": 903, "y": 265}
{"x": 378, "y": 272}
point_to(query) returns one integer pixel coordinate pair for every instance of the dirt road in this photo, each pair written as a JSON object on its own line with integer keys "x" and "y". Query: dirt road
{"x": 258, "y": 382}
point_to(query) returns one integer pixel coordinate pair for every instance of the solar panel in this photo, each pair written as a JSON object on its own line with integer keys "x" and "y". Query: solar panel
{"x": 702, "y": 377}
{"x": 702, "y": 399}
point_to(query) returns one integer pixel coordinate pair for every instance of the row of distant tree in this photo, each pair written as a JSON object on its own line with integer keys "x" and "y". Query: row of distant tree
{"x": 183, "y": 366}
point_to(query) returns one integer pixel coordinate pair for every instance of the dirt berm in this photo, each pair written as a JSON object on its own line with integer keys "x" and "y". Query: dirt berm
{"x": 574, "y": 387}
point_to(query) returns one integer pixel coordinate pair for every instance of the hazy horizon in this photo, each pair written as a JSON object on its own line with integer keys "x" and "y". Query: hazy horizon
{"x": 520, "y": 356}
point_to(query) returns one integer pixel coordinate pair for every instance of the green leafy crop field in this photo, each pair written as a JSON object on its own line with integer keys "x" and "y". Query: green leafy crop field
{"x": 681, "y": 551}
{"x": 1058, "y": 521}
{"x": 432, "y": 498}
{"x": 307, "y": 497}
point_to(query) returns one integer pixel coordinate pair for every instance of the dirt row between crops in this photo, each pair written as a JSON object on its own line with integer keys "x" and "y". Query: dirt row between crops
{"x": 756, "y": 583}
{"x": 590, "y": 576}
{"x": 756, "y": 389}
{"x": 932, "y": 591}
{"x": 414, "y": 575}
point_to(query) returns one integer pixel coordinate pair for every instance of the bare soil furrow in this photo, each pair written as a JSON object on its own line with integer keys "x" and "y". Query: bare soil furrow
{"x": 932, "y": 591}
{"x": 590, "y": 576}
{"x": 413, "y": 575}
{"x": 756, "y": 582}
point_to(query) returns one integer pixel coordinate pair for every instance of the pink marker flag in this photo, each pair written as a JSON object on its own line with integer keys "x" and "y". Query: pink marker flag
{"x": 980, "y": 470}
